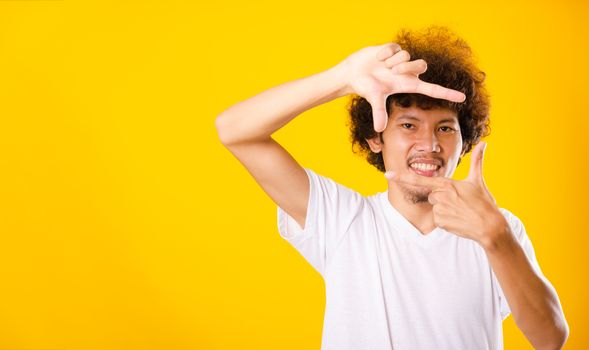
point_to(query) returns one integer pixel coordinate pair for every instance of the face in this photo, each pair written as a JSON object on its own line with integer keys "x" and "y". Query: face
{"x": 425, "y": 142}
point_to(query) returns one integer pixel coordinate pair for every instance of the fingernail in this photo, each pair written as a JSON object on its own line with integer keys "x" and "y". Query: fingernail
{"x": 389, "y": 174}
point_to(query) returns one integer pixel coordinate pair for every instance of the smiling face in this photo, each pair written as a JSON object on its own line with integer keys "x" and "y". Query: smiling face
{"x": 425, "y": 142}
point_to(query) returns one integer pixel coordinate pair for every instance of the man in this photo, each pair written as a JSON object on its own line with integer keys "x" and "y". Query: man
{"x": 432, "y": 263}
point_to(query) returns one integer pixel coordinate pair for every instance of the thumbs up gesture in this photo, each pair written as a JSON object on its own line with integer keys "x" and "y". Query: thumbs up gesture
{"x": 375, "y": 72}
{"x": 465, "y": 208}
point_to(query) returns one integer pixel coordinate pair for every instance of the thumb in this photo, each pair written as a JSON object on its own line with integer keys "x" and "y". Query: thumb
{"x": 476, "y": 163}
{"x": 379, "y": 112}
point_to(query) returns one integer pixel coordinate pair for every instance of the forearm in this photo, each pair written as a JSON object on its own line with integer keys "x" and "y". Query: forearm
{"x": 258, "y": 117}
{"x": 532, "y": 299}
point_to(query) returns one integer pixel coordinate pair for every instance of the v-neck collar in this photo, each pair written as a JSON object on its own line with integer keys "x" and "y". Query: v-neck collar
{"x": 406, "y": 227}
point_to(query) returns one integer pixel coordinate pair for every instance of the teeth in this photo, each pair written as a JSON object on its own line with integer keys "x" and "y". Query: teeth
{"x": 424, "y": 167}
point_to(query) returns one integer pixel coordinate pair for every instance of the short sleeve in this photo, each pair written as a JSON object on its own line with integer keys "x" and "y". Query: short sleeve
{"x": 330, "y": 210}
{"x": 518, "y": 229}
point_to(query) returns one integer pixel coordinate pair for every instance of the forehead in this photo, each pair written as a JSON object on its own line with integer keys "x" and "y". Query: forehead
{"x": 435, "y": 114}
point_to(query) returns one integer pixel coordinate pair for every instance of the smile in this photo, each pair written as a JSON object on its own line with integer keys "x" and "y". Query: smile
{"x": 425, "y": 169}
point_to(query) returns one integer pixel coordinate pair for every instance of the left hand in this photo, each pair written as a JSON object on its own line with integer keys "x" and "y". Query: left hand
{"x": 465, "y": 208}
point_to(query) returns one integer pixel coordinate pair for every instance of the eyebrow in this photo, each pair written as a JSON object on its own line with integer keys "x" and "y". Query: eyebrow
{"x": 412, "y": 117}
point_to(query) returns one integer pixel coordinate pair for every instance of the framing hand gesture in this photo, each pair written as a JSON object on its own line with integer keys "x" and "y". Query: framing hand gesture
{"x": 375, "y": 72}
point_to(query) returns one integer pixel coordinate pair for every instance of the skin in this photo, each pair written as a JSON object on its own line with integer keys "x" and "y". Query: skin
{"x": 413, "y": 133}
{"x": 375, "y": 73}
{"x": 379, "y": 71}
{"x": 465, "y": 208}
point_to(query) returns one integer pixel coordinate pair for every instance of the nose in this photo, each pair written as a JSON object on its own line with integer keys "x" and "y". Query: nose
{"x": 427, "y": 141}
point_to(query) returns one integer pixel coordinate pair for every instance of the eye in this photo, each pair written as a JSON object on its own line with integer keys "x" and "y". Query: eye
{"x": 446, "y": 129}
{"x": 406, "y": 125}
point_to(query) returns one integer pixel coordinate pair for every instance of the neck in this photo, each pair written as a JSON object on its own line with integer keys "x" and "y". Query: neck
{"x": 419, "y": 215}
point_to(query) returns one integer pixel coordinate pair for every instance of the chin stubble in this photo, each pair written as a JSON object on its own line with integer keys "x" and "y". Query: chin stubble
{"x": 415, "y": 197}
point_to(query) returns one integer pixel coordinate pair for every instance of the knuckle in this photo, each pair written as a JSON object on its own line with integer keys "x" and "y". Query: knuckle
{"x": 390, "y": 62}
{"x": 448, "y": 184}
{"x": 402, "y": 67}
{"x": 438, "y": 90}
{"x": 404, "y": 54}
{"x": 395, "y": 47}
{"x": 425, "y": 88}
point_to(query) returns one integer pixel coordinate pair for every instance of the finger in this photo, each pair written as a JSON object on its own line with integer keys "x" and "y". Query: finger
{"x": 387, "y": 50}
{"x": 440, "y": 219}
{"x": 438, "y": 91}
{"x": 436, "y": 196}
{"x": 476, "y": 163}
{"x": 435, "y": 182}
{"x": 379, "y": 112}
{"x": 413, "y": 67}
{"x": 475, "y": 173}
{"x": 446, "y": 194}
{"x": 401, "y": 56}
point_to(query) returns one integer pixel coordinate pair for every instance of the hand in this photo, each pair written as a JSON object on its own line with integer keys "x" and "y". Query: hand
{"x": 465, "y": 208}
{"x": 375, "y": 72}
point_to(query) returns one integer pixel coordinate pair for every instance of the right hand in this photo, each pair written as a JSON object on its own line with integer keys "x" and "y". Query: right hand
{"x": 375, "y": 72}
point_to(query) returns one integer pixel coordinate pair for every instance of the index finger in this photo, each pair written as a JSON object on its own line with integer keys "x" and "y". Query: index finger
{"x": 379, "y": 112}
{"x": 387, "y": 50}
{"x": 438, "y": 91}
{"x": 417, "y": 180}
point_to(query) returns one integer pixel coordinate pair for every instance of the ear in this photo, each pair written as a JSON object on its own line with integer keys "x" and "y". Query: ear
{"x": 374, "y": 143}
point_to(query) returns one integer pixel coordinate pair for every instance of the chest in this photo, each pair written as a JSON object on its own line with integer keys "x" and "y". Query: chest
{"x": 450, "y": 278}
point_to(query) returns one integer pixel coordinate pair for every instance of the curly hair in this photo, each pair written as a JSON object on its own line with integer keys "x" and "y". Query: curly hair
{"x": 450, "y": 63}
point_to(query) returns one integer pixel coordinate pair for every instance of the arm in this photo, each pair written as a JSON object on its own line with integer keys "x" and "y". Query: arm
{"x": 467, "y": 208}
{"x": 531, "y": 298}
{"x": 374, "y": 72}
{"x": 257, "y": 118}
{"x": 246, "y": 129}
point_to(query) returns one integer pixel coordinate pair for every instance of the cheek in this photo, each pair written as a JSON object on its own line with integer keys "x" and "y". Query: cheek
{"x": 453, "y": 149}
{"x": 396, "y": 151}
{"x": 453, "y": 146}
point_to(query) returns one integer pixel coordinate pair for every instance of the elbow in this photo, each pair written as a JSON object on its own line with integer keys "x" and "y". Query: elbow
{"x": 222, "y": 130}
{"x": 563, "y": 336}
{"x": 232, "y": 131}
{"x": 560, "y": 337}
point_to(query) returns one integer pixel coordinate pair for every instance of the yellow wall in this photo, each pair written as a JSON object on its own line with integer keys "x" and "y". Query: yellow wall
{"x": 124, "y": 224}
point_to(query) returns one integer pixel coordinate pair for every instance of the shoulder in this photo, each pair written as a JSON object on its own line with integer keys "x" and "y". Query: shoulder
{"x": 329, "y": 193}
{"x": 327, "y": 184}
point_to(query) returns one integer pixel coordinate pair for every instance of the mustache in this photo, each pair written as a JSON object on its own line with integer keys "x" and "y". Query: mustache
{"x": 438, "y": 160}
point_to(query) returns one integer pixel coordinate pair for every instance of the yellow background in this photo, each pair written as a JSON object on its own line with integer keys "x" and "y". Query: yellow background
{"x": 124, "y": 223}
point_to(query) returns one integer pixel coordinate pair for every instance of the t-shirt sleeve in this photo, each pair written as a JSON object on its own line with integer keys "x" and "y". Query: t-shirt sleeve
{"x": 518, "y": 229}
{"x": 330, "y": 211}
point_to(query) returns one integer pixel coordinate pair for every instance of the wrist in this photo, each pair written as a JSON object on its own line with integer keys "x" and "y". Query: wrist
{"x": 339, "y": 76}
{"x": 498, "y": 235}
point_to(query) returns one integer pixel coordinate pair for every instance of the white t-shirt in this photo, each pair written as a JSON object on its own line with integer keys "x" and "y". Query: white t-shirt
{"x": 390, "y": 287}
